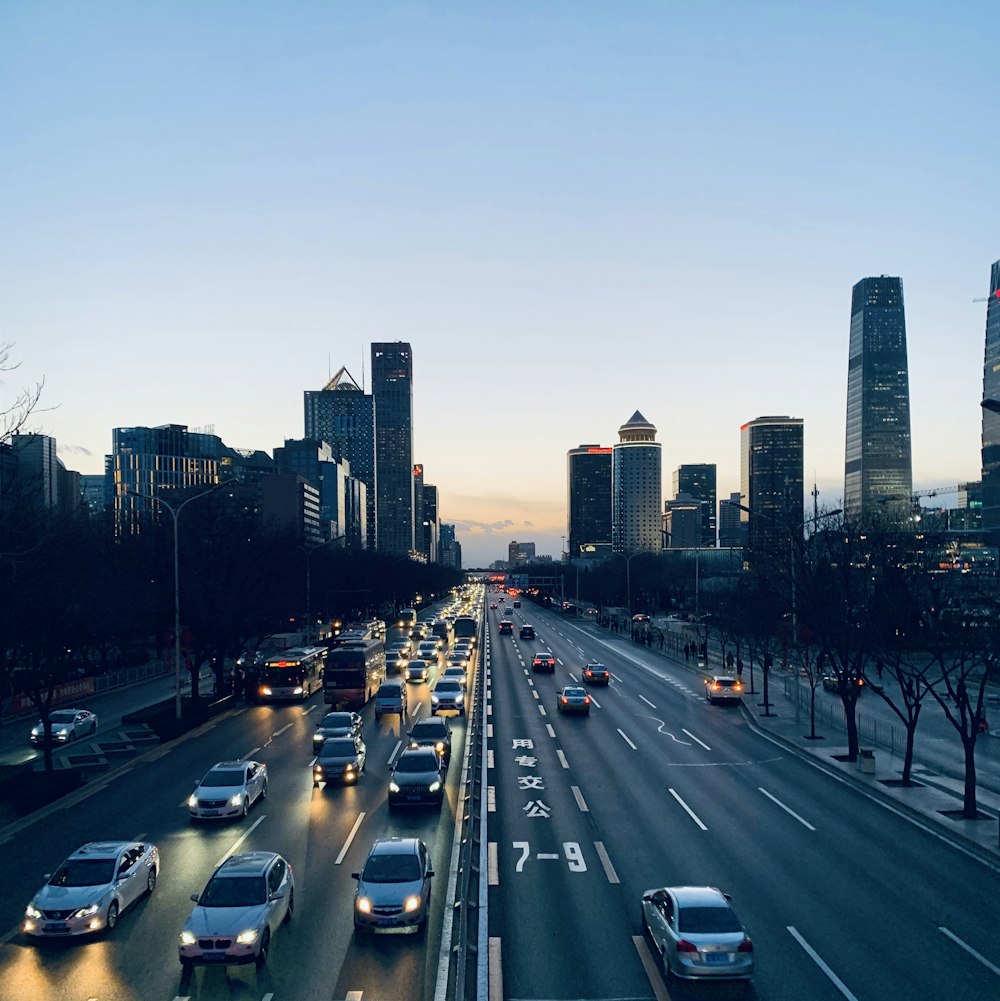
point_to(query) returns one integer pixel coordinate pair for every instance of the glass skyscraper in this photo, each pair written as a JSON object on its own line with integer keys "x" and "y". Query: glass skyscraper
{"x": 588, "y": 479}
{"x": 392, "y": 390}
{"x": 878, "y": 471}
{"x": 991, "y": 418}
{"x": 698, "y": 480}
{"x": 636, "y": 489}
{"x": 771, "y": 481}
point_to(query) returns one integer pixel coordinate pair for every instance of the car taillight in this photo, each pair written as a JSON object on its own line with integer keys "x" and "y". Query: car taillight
{"x": 715, "y": 688}
{"x": 685, "y": 946}
{"x": 587, "y": 700}
{"x": 564, "y": 701}
{"x": 737, "y": 688}
{"x": 745, "y": 946}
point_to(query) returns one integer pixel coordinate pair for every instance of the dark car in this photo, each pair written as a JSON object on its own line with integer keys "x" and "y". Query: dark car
{"x": 339, "y": 724}
{"x": 527, "y": 632}
{"x": 596, "y": 674}
{"x": 543, "y": 662}
{"x": 394, "y": 886}
{"x": 433, "y": 731}
{"x": 506, "y": 627}
{"x": 832, "y": 683}
{"x": 417, "y": 778}
{"x": 341, "y": 759}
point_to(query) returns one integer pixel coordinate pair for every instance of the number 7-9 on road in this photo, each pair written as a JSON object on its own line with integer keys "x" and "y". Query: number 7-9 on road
{"x": 571, "y": 850}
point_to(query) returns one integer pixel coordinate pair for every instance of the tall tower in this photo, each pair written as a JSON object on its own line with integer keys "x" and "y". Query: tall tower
{"x": 991, "y": 417}
{"x": 392, "y": 390}
{"x": 771, "y": 481}
{"x": 588, "y": 479}
{"x": 636, "y": 489}
{"x": 878, "y": 470}
{"x": 343, "y": 415}
{"x": 698, "y": 480}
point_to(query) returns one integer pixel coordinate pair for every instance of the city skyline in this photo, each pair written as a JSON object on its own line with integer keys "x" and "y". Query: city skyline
{"x": 569, "y": 215}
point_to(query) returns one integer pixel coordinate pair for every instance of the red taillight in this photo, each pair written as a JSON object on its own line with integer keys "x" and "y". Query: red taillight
{"x": 685, "y": 946}
{"x": 564, "y": 701}
{"x": 715, "y": 688}
{"x": 737, "y": 688}
{"x": 745, "y": 946}
{"x": 587, "y": 700}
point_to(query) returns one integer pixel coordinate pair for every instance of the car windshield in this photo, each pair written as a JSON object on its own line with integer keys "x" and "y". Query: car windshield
{"x": 334, "y": 721}
{"x": 223, "y": 777}
{"x": 575, "y": 693}
{"x": 338, "y": 747}
{"x": 84, "y": 872}
{"x": 448, "y": 687}
{"x": 418, "y": 761}
{"x": 234, "y": 891}
{"x": 707, "y": 920}
{"x": 429, "y": 730}
{"x": 391, "y": 869}
{"x": 62, "y": 716}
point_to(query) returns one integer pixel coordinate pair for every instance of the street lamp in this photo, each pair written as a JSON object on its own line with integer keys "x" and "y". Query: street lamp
{"x": 309, "y": 550}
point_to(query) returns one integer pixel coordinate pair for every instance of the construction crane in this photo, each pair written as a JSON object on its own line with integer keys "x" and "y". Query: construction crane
{"x": 989, "y": 298}
{"x": 934, "y": 491}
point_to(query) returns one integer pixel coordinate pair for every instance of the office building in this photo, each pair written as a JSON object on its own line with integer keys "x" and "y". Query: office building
{"x": 451, "y": 548}
{"x": 290, "y": 501}
{"x": 771, "y": 481}
{"x": 636, "y": 489}
{"x": 33, "y": 470}
{"x": 431, "y": 524}
{"x": 731, "y": 532}
{"x": 683, "y": 522}
{"x": 343, "y": 415}
{"x": 519, "y": 553}
{"x": 392, "y": 390}
{"x": 588, "y": 506}
{"x": 418, "y": 511}
{"x": 698, "y": 480}
{"x": 991, "y": 413}
{"x": 878, "y": 473}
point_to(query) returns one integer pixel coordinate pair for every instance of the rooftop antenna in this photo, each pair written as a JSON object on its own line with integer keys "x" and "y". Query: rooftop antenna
{"x": 329, "y": 374}
{"x": 815, "y": 497}
{"x": 362, "y": 369}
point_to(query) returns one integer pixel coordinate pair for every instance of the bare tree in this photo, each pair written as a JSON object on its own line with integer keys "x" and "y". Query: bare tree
{"x": 15, "y": 415}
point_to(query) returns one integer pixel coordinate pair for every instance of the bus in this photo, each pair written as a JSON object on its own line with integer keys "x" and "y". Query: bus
{"x": 353, "y": 674}
{"x": 354, "y": 632}
{"x": 407, "y": 619}
{"x": 291, "y": 674}
{"x": 466, "y": 627}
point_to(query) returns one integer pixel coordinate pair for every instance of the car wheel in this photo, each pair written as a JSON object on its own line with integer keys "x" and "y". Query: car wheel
{"x": 246, "y": 806}
{"x": 291, "y": 906}
{"x": 112, "y": 918}
{"x": 263, "y": 791}
{"x": 151, "y": 881}
{"x": 265, "y": 948}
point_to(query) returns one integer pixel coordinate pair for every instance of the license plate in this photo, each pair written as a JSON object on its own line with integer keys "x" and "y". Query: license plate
{"x": 56, "y": 926}
{"x": 413, "y": 796}
{"x": 385, "y": 922}
{"x": 716, "y": 958}
{"x": 210, "y": 813}
{"x": 213, "y": 955}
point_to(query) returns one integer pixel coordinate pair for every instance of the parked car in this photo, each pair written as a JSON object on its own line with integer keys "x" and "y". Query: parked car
{"x": 67, "y": 725}
{"x": 394, "y": 886}
{"x": 228, "y": 789}
{"x": 832, "y": 683}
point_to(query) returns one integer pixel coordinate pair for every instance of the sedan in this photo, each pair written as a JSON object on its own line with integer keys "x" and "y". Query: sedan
{"x": 228, "y": 790}
{"x": 339, "y": 724}
{"x": 341, "y": 759}
{"x": 394, "y": 887}
{"x": 573, "y": 699}
{"x": 247, "y": 898}
{"x": 455, "y": 673}
{"x": 67, "y": 725}
{"x": 697, "y": 933}
{"x": 417, "y": 778}
{"x": 596, "y": 674}
{"x": 417, "y": 670}
{"x": 543, "y": 662}
{"x": 91, "y": 888}
{"x": 448, "y": 696}
{"x": 433, "y": 731}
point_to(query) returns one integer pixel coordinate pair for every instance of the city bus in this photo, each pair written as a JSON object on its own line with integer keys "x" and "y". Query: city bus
{"x": 291, "y": 674}
{"x": 353, "y": 674}
{"x": 407, "y": 619}
{"x": 466, "y": 627}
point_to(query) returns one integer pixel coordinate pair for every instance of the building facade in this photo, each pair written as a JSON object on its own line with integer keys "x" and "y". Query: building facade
{"x": 991, "y": 414}
{"x": 730, "y": 522}
{"x": 588, "y": 505}
{"x": 519, "y": 553}
{"x": 431, "y": 524}
{"x": 771, "y": 481}
{"x": 34, "y": 469}
{"x": 451, "y": 548}
{"x": 698, "y": 480}
{"x": 683, "y": 522}
{"x": 878, "y": 469}
{"x": 392, "y": 391}
{"x": 636, "y": 489}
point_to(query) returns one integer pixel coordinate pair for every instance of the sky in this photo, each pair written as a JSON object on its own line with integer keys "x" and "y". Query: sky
{"x": 571, "y": 210}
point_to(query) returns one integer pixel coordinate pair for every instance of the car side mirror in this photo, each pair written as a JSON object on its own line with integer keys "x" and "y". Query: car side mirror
{"x": 275, "y": 896}
{"x": 430, "y": 872}
{"x": 46, "y": 877}
{"x": 194, "y": 897}
{"x": 647, "y": 896}
{"x": 355, "y": 875}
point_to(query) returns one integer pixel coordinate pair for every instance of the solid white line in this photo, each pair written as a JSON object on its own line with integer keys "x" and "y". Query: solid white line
{"x": 688, "y": 810}
{"x": 541, "y": 710}
{"x": 492, "y": 865}
{"x": 562, "y": 758}
{"x": 580, "y": 801}
{"x": 491, "y": 799}
{"x": 648, "y": 703}
{"x": 596, "y": 703}
{"x": 489, "y": 759}
{"x": 395, "y": 751}
{"x": 791, "y": 813}
{"x": 551, "y": 732}
{"x": 649, "y": 967}
{"x": 695, "y": 739}
{"x": 609, "y": 869}
{"x": 282, "y": 730}
{"x": 350, "y": 838}
{"x": 834, "y": 979}
{"x": 496, "y": 971}
{"x": 240, "y": 840}
{"x": 968, "y": 948}
{"x": 249, "y": 754}
{"x": 627, "y": 741}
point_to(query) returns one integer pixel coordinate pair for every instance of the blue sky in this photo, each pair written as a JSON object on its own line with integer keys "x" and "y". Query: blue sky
{"x": 571, "y": 211}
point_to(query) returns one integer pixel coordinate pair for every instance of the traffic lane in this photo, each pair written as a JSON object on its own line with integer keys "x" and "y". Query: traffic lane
{"x": 548, "y": 863}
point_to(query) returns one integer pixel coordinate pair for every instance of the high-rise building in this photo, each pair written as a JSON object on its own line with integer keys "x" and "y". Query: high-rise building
{"x": 431, "y": 524}
{"x": 418, "y": 510}
{"x": 343, "y": 415}
{"x": 520, "y": 552}
{"x": 36, "y": 469}
{"x": 636, "y": 489}
{"x": 991, "y": 413}
{"x": 878, "y": 469}
{"x": 731, "y": 533}
{"x": 683, "y": 522}
{"x": 588, "y": 480}
{"x": 451, "y": 548}
{"x": 392, "y": 390}
{"x": 771, "y": 481}
{"x": 697, "y": 480}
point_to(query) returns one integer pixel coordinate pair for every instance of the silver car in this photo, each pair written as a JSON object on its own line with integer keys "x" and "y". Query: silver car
{"x": 248, "y": 897}
{"x": 394, "y": 887}
{"x": 417, "y": 670}
{"x": 91, "y": 888}
{"x": 448, "y": 696}
{"x": 67, "y": 725}
{"x": 697, "y": 933}
{"x": 228, "y": 790}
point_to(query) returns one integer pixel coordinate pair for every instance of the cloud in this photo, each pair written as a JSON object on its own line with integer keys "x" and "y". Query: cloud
{"x": 482, "y": 527}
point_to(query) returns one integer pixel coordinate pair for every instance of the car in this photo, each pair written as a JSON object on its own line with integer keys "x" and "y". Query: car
{"x": 697, "y": 933}
{"x": 832, "y": 683}
{"x": 420, "y": 631}
{"x": 89, "y": 891}
{"x": 448, "y": 696}
{"x": 457, "y": 662}
{"x": 245, "y": 901}
{"x": 340, "y": 759}
{"x": 455, "y": 673}
{"x": 67, "y": 725}
{"x": 417, "y": 670}
{"x": 506, "y": 627}
{"x": 433, "y": 731}
{"x": 464, "y": 646}
{"x": 417, "y": 778}
{"x": 721, "y": 688}
{"x": 543, "y": 661}
{"x": 517, "y": 602}
{"x": 391, "y": 698}
{"x": 228, "y": 789}
{"x": 493, "y": 605}
{"x": 596, "y": 674}
{"x": 573, "y": 699}
{"x": 338, "y": 724}
{"x": 429, "y": 651}
{"x": 592, "y": 611}
{"x": 394, "y": 887}
{"x": 527, "y": 632}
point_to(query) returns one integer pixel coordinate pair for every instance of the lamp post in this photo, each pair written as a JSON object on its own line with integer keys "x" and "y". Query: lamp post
{"x": 309, "y": 550}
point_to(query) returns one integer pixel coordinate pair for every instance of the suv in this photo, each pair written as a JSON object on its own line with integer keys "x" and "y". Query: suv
{"x": 390, "y": 698}
{"x": 527, "y": 632}
{"x": 394, "y": 886}
{"x": 543, "y": 662}
{"x": 517, "y": 602}
{"x": 506, "y": 627}
{"x": 433, "y": 731}
{"x": 722, "y": 689}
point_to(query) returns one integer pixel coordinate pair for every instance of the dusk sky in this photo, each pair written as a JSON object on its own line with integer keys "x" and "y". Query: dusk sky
{"x": 571, "y": 210}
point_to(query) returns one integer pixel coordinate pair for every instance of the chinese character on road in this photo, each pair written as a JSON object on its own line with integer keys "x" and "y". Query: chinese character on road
{"x": 523, "y": 743}
{"x": 526, "y": 761}
{"x": 530, "y": 782}
{"x": 536, "y": 808}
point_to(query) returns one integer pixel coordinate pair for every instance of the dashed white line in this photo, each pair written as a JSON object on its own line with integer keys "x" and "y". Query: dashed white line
{"x": 627, "y": 741}
{"x": 541, "y": 710}
{"x": 648, "y": 703}
{"x": 790, "y": 812}
{"x": 695, "y": 739}
{"x": 248, "y": 755}
{"x": 395, "y": 751}
{"x": 489, "y": 759}
{"x": 534, "y": 691}
{"x": 492, "y": 866}
{"x": 649, "y": 966}
{"x": 615, "y": 676}
{"x": 688, "y": 809}
{"x": 496, "y": 971}
{"x": 580, "y": 801}
{"x": 351, "y": 996}
{"x": 834, "y": 979}
{"x": 968, "y": 948}
{"x": 609, "y": 869}
{"x": 596, "y": 703}
{"x": 278, "y": 733}
{"x": 551, "y": 732}
{"x": 562, "y": 758}
{"x": 531, "y": 682}
{"x": 489, "y": 729}
{"x": 240, "y": 840}
{"x": 491, "y": 799}
{"x": 350, "y": 838}
{"x": 306, "y": 712}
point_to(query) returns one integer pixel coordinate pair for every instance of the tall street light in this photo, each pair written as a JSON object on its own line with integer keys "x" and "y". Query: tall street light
{"x": 309, "y": 550}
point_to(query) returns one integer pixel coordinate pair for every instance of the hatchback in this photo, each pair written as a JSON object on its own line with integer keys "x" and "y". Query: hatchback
{"x": 228, "y": 790}
{"x": 721, "y": 689}
{"x": 394, "y": 887}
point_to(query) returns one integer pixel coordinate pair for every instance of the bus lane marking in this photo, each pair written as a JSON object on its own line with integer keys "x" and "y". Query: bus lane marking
{"x": 687, "y": 809}
{"x": 350, "y": 838}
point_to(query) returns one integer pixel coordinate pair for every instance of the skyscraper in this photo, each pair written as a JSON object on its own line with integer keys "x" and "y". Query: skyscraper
{"x": 636, "y": 489}
{"x": 730, "y": 529}
{"x": 343, "y": 415}
{"x": 588, "y": 479}
{"x": 991, "y": 417}
{"x": 771, "y": 481}
{"x": 697, "y": 480}
{"x": 878, "y": 472}
{"x": 392, "y": 390}
{"x": 431, "y": 526}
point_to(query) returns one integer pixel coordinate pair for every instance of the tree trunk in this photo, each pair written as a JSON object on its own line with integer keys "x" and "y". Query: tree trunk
{"x": 851, "y": 720}
{"x": 911, "y": 732}
{"x": 969, "y": 808}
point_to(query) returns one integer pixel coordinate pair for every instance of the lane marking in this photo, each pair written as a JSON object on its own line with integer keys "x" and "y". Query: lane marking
{"x": 627, "y": 741}
{"x": 695, "y": 739}
{"x": 492, "y": 866}
{"x": 351, "y": 996}
{"x": 574, "y": 677}
{"x": 615, "y": 676}
{"x": 491, "y": 799}
{"x": 834, "y": 979}
{"x": 648, "y": 703}
{"x": 787, "y": 810}
{"x": 249, "y": 754}
{"x": 580, "y": 801}
{"x": 241, "y": 839}
{"x": 306, "y": 712}
{"x": 646, "y": 958}
{"x": 489, "y": 759}
{"x": 547, "y": 856}
{"x": 534, "y": 691}
{"x": 687, "y": 809}
{"x": 269, "y": 996}
{"x": 350, "y": 838}
{"x": 489, "y": 729}
{"x": 609, "y": 869}
{"x": 489, "y": 708}
{"x": 551, "y": 732}
{"x": 541, "y": 709}
{"x": 287, "y": 726}
{"x": 596, "y": 703}
{"x": 395, "y": 750}
{"x": 496, "y": 971}
{"x": 968, "y": 948}
{"x": 562, "y": 758}
{"x": 531, "y": 681}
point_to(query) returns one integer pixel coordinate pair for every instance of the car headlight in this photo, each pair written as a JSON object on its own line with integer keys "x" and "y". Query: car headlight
{"x": 265, "y": 690}
{"x": 393, "y": 787}
{"x": 186, "y": 938}
{"x": 318, "y": 738}
{"x": 192, "y": 801}
{"x": 86, "y": 912}
{"x": 236, "y": 800}
{"x": 247, "y": 937}
{"x": 434, "y": 786}
{"x": 412, "y": 903}
{"x": 364, "y": 905}
{"x": 349, "y": 767}
{"x": 62, "y": 734}
{"x": 434, "y": 700}
{"x": 317, "y": 771}
{"x": 407, "y": 675}
{"x": 298, "y": 691}
{"x": 439, "y": 746}
{"x": 31, "y": 911}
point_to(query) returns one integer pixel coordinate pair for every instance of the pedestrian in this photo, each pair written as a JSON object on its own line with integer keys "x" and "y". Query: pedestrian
{"x": 687, "y": 651}
{"x": 729, "y": 660}
{"x": 739, "y": 667}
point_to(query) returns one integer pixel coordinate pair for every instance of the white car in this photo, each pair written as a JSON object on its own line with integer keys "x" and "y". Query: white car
{"x": 228, "y": 790}
{"x": 448, "y": 696}
{"x": 88, "y": 892}
{"x": 67, "y": 725}
{"x": 248, "y": 897}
